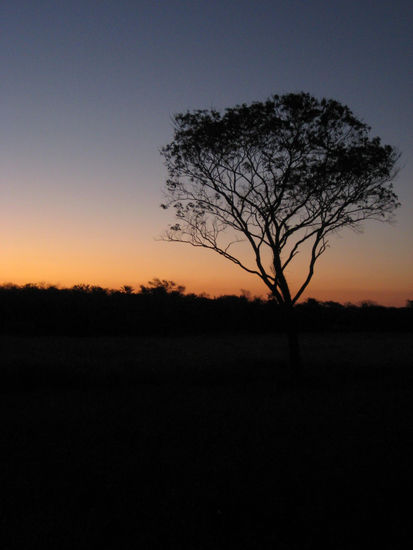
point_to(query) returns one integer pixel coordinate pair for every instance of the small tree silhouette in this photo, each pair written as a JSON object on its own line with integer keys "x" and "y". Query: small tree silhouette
{"x": 162, "y": 287}
{"x": 281, "y": 175}
{"x": 126, "y": 289}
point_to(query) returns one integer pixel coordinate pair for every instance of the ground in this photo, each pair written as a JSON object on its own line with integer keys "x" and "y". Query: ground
{"x": 206, "y": 443}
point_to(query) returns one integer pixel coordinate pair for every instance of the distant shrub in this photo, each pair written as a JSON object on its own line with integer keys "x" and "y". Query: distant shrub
{"x": 162, "y": 308}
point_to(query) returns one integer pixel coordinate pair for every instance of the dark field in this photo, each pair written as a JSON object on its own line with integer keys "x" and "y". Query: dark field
{"x": 206, "y": 443}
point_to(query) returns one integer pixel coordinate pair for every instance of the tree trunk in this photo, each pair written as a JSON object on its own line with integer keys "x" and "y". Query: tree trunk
{"x": 293, "y": 341}
{"x": 294, "y": 350}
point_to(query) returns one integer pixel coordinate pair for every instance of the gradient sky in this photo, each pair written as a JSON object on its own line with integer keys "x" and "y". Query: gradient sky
{"x": 88, "y": 89}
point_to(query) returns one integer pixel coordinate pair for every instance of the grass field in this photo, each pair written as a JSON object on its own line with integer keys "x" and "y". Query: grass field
{"x": 205, "y": 443}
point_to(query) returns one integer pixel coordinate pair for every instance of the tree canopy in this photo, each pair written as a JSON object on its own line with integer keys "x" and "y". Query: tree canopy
{"x": 281, "y": 175}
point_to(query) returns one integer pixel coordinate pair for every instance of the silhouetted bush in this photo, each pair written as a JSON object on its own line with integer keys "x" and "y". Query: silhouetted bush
{"x": 162, "y": 308}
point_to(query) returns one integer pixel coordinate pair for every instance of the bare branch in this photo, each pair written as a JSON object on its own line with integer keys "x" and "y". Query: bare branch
{"x": 276, "y": 175}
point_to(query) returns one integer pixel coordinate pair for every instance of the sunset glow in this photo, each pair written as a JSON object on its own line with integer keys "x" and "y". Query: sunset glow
{"x": 88, "y": 92}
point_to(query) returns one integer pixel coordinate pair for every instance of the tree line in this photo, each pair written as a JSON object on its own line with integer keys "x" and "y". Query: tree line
{"x": 162, "y": 308}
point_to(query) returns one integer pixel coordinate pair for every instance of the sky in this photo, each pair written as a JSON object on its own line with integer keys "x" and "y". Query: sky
{"x": 88, "y": 90}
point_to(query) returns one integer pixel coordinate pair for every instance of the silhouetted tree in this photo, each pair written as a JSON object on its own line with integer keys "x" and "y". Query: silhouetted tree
{"x": 126, "y": 289}
{"x": 162, "y": 287}
{"x": 281, "y": 175}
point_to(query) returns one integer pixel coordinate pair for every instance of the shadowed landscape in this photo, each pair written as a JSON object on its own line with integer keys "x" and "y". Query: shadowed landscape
{"x": 247, "y": 150}
{"x": 204, "y": 440}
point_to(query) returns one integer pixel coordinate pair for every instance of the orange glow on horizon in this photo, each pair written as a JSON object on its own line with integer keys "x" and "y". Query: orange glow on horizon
{"x": 354, "y": 269}
{"x": 214, "y": 287}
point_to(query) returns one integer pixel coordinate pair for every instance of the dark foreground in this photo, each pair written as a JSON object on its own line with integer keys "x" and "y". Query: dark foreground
{"x": 205, "y": 444}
